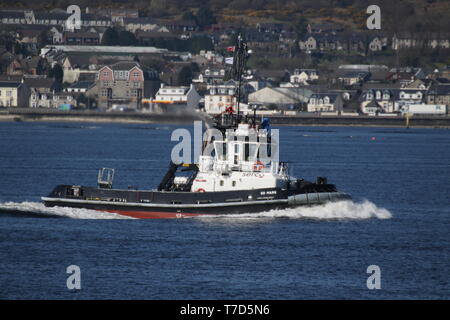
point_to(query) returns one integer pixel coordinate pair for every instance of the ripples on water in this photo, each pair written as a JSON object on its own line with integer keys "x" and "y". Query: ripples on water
{"x": 344, "y": 210}
{"x": 399, "y": 219}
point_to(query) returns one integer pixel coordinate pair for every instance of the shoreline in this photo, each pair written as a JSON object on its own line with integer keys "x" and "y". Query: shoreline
{"x": 32, "y": 115}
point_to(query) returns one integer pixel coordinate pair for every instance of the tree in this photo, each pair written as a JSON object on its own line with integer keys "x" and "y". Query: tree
{"x": 56, "y": 72}
{"x": 205, "y": 17}
{"x": 185, "y": 76}
{"x": 301, "y": 28}
{"x": 42, "y": 39}
{"x": 110, "y": 37}
{"x": 200, "y": 43}
{"x": 189, "y": 16}
{"x": 126, "y": 38}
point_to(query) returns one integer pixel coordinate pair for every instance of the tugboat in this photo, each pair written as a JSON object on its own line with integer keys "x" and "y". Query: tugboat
{"x": 237, "y": 172}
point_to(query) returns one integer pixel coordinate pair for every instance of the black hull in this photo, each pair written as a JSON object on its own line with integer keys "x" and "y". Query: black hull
{"x": 167, "y": 212}
{"x": 162, "y": 204}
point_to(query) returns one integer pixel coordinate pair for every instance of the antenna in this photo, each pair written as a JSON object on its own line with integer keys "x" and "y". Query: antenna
{"x": 239, "y": 60}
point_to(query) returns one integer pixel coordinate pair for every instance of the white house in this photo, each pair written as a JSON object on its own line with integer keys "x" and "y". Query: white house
{"x": 325, "y": 102}
{"x": 14, "y": 94}
{"x": 304, "y": 75}
{"x": 181, "y": 95}
{"x": 51, "y": 99}
{"x": 391, "y": 100}
{"x": 210, "y": 76}
{"x": 219, "y": 98}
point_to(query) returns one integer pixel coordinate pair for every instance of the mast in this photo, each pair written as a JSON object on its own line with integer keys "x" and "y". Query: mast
{"x": 240, "y": 57}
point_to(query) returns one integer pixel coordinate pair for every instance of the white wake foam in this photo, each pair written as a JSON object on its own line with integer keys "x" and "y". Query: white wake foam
{"x": 342, "y": 210}
{"x": 40, "y": 209}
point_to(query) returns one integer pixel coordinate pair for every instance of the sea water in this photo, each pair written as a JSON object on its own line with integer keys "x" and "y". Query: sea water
{"x": 399, "y": 219}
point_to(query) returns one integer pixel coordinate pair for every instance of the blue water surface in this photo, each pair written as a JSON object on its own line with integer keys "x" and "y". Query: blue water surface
{"x": 400, "y": 219}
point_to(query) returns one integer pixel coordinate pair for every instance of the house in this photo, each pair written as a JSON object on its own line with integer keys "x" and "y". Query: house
{"x": 42, "y": 84}
{"x": 81, "y": 38}
{"x": 29, "y": 65}
{"x": 149, "y": 37}
{"x": 304, "y": 76}
{"x": 324, "y": 28}
{"x": 439, "y": 94}
{"x": 51, "y": 18}
{"x": 220, "y": 97}
{"x": 181, "y": 25}
{"x": 373, "y": 107}
{"x": 80, "y": 87}
{"x": 52, "y": 100}
{"x": 76, "y": 64}
{"x": 122, "y": 83}
{"x": 378, "y": 43}
{"x": 12, "y": 17}
{"x": 15, "y": 67}
{"x": 392, "y": 99}
{"x": 211, "y": 75}
{"x": 142, "y": 24}
{"x": 56, "y": 34}
{"x": 383, "y": 95}
{"x": 118, "y": 15}
{"x": 420, "y": 40}
{"x": 178, "y": 95}
{"x": 276, "y": 28}
{"x": 14, "y": 94}
{"x": 30, "y": 38}
{"x": 60, "y": 18}
{"x": 351, "y": 78}
{"x": 325, "y": 102}
{"x": 418, "y": 84}
{"x": 405, "y": 75}
{"x": 322, "y": 42}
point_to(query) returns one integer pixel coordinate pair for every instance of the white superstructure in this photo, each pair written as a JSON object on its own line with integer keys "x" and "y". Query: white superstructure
{"x": 244, "y": 159}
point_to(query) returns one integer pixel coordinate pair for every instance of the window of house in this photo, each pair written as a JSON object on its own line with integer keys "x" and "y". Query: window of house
{"x": 221, "y": 183}
{"x": 378, "y": 95}
{"x": 233, "y": 183}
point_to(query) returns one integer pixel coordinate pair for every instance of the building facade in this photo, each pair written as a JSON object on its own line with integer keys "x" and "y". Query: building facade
{"x": 220, "y": 98}
{"x": 120, "y": 84}
{"x": 14, "y": 94}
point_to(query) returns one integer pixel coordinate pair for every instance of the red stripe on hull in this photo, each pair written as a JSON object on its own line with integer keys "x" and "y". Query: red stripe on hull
{"x": 152, "y": 215}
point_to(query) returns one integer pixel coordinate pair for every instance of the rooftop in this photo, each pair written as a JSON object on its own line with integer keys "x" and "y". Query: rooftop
{"x": 10, "y": 84}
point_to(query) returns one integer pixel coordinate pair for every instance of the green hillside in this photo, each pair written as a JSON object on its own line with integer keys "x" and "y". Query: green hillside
{"x": 398, "y": 15}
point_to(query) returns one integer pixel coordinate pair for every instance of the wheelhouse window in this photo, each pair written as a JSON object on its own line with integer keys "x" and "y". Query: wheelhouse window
{"x": 220, "y": 149}
{"x": 250, "y": 151}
